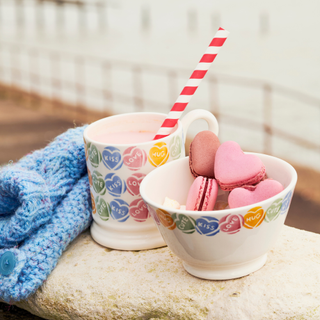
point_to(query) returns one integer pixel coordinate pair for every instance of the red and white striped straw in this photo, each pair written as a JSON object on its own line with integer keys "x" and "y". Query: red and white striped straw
{"x": 192, "y": 85}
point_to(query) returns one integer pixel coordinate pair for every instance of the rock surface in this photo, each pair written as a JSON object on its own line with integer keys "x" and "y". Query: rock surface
{"x": 93, "y": 282}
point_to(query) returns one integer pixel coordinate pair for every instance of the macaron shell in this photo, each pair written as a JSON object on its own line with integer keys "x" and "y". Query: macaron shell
{"x": 240, "y": 197}
{"x": 234, "y": 169}
{"x": 195, "y": 194}
{"x": 202, "y": 154}
{"x": 210, "y": 196}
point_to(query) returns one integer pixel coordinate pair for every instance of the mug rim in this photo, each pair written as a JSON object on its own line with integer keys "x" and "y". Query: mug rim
{"x": 291, "y": 186}
{"x": 88, "y": 139}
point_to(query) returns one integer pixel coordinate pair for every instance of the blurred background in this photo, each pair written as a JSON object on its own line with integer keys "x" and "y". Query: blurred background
{"x": 64, "y": 63}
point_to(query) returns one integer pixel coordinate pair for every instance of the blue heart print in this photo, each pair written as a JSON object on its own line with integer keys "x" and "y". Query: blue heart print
{"x": 119, "y": 210}
{"x": 115, "y": 186}
{"x": 286, "y": 202}
{"x": 111, "y": 158}
{"x": 207, "y": 226}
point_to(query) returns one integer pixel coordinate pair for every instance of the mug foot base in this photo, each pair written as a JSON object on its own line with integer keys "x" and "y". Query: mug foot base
{"x": 226, "y": 272}
{"x": 149, "y": 239}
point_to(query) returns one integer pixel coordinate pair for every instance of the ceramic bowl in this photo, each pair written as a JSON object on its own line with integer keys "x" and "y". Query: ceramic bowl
{"x": 220, "y": 244}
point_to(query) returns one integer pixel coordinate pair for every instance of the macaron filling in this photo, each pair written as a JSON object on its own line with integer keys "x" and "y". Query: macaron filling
{"x": 204, "y": 196}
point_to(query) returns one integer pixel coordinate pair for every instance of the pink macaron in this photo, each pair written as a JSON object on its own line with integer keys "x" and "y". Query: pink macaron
{"x": 202, "y": 194}
{"x": 240, "y": 197}
{"x": 202, "y": 154}
{"x": 233, "y": 168}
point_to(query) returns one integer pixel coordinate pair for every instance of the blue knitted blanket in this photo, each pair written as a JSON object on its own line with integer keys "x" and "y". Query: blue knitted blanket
{"x": 44, "y": 204}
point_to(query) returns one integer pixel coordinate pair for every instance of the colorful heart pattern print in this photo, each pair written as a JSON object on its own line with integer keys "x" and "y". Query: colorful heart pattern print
{"x": 111, "y": 158}
{"x": 184, "y": 223}
{"x": 175, "y": 147}
{"x": 98, "y": 183}
{"x": 165, "y": 219}
{"x": 133, "y": 183}
{"x": 254, "y": 218}
{"x": 93, "y": 204}
{"x": 119, "y": 210}
{"x": 158, "y": 154}
{"x": 208, "y": 226}
{"x": 134, "y": 158}
{"x": 94, "y": 155}
{"x": 153, "y": 214}
{"x": 231, "y": 223}
{"x": 85, "y": 149}
{"x": 286, "y": 202}
{"x": 103, "y": 209}
{"x": 115, "y": 185}
{"x": 90, "y": 177}
{"x": 273, "y": 211}
{"x": 138, "y": 210}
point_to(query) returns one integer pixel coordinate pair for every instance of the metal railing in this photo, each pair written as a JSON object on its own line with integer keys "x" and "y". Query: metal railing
{"x": 91, "y": 82}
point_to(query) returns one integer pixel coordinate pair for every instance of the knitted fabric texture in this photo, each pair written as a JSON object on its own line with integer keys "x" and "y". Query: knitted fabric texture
{"x": 44, "y": 204}
{"x": 38, "y": 255}
{"x": 32, "y": 188}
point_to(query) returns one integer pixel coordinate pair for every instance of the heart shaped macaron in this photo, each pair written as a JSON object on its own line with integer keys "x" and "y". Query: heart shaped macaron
{"x": 233, "y": 168}
{"x": 240, "y": 197}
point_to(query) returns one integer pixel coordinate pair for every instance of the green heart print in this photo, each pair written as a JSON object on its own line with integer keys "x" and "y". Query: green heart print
{"x": 273, "y": 211}
{"x": 98, "y": 183}
{"x": 184, "y": 223}
{"x": 175, "y": 147}
{"x": 95, "y": 156}
{"x": 103, "y": 209}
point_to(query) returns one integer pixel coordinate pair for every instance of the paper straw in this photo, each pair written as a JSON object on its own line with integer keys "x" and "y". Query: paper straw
{"x": 192, "y": 85}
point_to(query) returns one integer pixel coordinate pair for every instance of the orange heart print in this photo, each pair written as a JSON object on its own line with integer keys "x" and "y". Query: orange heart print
{"x": 85, "y": 148}
{"x": 90, "y": 177}
{"x": 254, "y": 218}
{"x": 158, "y": 154}
{"x": 165, "y": 219}
{"x": 94, "y": 209}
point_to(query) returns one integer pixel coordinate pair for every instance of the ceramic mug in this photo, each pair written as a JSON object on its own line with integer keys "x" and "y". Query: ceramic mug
{"x": 121, "y": 219}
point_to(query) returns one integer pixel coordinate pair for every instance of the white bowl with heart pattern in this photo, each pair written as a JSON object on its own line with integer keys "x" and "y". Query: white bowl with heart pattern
{"x": 220, "y": 244}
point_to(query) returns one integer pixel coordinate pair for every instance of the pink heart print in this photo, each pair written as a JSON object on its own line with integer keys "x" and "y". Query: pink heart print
{"x": 240, "y": 197}
{"x": 233, "y": 168}
{"x": 134, "y": 158}
{"x": 231, "y": 223}
{"x": 138, "y": 210}
{"x": 133, "y": 183}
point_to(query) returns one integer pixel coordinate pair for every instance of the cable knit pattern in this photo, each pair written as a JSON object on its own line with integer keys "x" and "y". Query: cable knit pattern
{"x": 44, "y": 204}
{"x": 32, "y": 188}
{"x": 39, "y": 254}
{"x": 31, "y": 191}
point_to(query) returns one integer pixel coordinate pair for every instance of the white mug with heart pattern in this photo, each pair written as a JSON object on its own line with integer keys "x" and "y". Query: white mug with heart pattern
{"x": 120, "y": 217}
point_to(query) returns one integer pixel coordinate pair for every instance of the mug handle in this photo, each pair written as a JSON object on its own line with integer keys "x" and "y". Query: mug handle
{"x": 199, "y": 114}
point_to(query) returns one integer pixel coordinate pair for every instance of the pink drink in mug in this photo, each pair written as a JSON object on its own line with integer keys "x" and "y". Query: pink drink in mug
{"x": 120, "y": 152}
{"x": 125, "y": 137}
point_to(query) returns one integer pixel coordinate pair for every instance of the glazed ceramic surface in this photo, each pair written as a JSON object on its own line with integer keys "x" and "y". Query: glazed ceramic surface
{"x": 121, "y": 218}
{"x": 221, "y": 244}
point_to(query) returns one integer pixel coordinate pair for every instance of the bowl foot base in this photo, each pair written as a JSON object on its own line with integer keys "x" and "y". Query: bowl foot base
{"x": 126, "y": 240}
{"x": 226, "y": 272}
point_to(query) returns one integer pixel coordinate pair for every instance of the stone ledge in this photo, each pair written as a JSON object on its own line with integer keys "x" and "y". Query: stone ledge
{"x": 93, "y": 282}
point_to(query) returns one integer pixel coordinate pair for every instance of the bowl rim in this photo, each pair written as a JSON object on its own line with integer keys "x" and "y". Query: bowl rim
{"x": 291, "y": 186}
